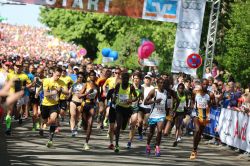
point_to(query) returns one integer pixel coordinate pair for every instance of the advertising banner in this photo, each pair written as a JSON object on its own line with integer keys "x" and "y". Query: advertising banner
{"x": 160, "y": 10}
{"x": 214, "y": 121}
{"x": 188, "y": 34}
{"x": 234, "y": 129}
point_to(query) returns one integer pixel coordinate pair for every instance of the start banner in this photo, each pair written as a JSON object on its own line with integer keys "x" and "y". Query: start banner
{"x": 234, "y": 129}
{"x": 160, "y": 10}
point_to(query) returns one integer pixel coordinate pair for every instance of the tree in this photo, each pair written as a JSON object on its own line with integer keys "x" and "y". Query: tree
{"x": 234, "y": 54}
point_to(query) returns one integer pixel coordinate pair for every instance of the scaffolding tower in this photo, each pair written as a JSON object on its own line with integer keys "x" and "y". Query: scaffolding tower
{"x": 212, "y": 31}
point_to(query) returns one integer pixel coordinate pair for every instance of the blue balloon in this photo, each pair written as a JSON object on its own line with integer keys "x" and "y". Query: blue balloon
{"x": 106, "y": 52}
{"x": 114, "y": 55}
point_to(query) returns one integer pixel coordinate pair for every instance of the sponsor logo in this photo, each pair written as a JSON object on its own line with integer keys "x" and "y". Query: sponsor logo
{"x": 187, "y": 45}
{"x": 192, "y": 4}
{"x": 189, "y": 25}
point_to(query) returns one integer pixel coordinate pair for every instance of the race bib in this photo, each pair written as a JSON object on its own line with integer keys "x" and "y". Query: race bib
{"x": 53, "y": 97}
{"x": 160, "y": 108}
{"x": 182, "y": 105}
{"x": 123, "y": 98}
{"x": 201, "y": 103}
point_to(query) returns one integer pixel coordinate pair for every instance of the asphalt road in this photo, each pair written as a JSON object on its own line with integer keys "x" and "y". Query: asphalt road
{"x": 26, "y": 147}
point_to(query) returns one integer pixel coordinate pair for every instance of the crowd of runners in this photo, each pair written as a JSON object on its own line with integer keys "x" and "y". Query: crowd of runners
{"x": 117, "y": 98}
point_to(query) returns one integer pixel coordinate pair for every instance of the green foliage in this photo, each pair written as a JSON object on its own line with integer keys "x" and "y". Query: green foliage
{"x": 234, "y": 56}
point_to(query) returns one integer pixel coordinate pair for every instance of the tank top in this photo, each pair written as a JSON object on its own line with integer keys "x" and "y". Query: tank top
{"x": 159, "y": 109}
{"x": 123, "y": 96}
{"x": 202, "y": 106}
{"x": 145, "y": 94}
{"x": 92, "y": 93}
{"x": 76, "y": 88}
{"x": 182, "y": 103}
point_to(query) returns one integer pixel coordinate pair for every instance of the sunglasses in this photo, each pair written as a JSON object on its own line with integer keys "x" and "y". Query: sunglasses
{"x": 117, "y": 72}
{"x": 80, "y": 77}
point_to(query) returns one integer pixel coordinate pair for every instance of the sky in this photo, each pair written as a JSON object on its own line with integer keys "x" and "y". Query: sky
{"x": 21, "y": 14}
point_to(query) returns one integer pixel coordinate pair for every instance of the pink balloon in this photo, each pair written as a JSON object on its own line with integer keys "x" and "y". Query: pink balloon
{"x": 146, "y": 49}
{"x": 149, "y": 43}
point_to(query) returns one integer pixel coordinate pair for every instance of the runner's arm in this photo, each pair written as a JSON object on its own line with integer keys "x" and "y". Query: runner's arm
{"x": 148, "y": 100}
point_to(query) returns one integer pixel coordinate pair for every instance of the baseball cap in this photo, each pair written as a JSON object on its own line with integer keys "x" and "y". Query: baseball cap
{"x": 147, "y": 76}
{"x": 60, "y": 63}
{"x": 75, "y": 67}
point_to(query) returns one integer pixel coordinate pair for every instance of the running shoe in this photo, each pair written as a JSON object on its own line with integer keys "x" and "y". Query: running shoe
{"x": 193, "y": 155}
{"x": 178, "y": 139}
{"x": 74, "y": 133}
{"x": 117, "y": 149}
{"x": 33, "y": 128}
{"x": 157, "y": 151}
{"x": 129, "y": 145}
{"x": 148, "y": 150}
{"x": 49, "y": 144}
{"x": 111, "y": 146}
{"x": 86, "y": 146}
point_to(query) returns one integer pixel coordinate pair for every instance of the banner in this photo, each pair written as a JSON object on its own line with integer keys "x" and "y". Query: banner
{"x": 149, "y": 62}
{"x": 188, "y": 34}
{"x": 107, "y": 59}
{"x": 234, "y": 129}
{"x": 160, "y": 10}
{"x": 214, "y": 121}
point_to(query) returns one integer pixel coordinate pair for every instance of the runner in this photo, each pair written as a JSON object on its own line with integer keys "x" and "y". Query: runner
{"x": 108, "y": 89}
{"x": 90, "y": 93}
{"x": 158, "y": 98}
{"x": 201, "y": 116}
{"x": 21, "y": 81}
{"x": 135, "y": 107}
{"x": 101, "y": 105}
{"x": 144, "y": 110}
{"x": 52, "y": 88}
{"x": 171, "y": 108}
{"x": 63, "y": 103}
{"x": 181, "y": 105}
{"x": 123, "y": 94}
{"x": 75, "y": 104}
{"x": 35, "y": 98}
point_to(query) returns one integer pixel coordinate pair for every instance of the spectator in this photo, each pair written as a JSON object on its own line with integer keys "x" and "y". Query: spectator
{"x": 207, "y": 73}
